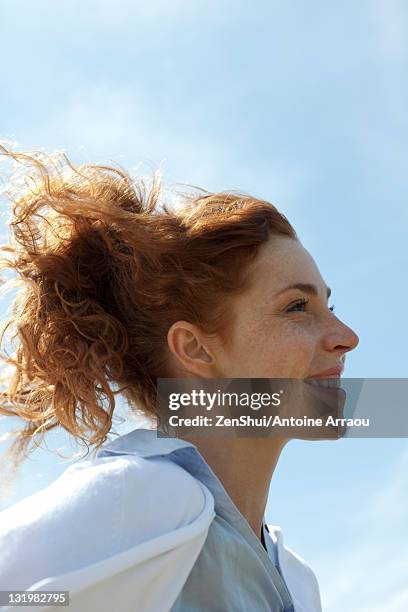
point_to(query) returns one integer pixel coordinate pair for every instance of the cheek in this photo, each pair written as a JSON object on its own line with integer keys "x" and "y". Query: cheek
{"x": 277, "y": 351}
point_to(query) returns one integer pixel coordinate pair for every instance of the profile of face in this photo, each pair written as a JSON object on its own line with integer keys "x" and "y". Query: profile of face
{"x": 278, "y": 330}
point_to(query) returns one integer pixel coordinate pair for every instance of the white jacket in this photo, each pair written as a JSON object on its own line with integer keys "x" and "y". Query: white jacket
{"x": 70, "y": 535}
{"x": 121, "y": 533}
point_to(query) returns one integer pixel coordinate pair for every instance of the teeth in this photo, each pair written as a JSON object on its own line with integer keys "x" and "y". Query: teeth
{"x": 325, "y": 382}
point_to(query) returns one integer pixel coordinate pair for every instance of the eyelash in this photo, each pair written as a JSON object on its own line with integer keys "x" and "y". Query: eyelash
{"x": 303, "y": 303}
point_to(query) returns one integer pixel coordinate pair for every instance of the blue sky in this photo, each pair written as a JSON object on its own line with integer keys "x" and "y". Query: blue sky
{"x": 300, "y": 103}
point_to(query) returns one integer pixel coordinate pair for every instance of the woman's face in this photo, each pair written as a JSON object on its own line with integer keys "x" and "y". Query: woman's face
{"x": 275, "y": 334}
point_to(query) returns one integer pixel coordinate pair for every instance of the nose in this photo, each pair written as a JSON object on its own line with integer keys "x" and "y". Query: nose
{"x": 340, "y": 337}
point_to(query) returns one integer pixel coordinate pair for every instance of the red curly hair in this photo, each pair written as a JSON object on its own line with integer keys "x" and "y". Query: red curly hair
{"x": 105, "y": 267}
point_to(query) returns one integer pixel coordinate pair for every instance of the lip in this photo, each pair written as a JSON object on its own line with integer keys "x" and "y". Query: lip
{"x": 330, "y": 373}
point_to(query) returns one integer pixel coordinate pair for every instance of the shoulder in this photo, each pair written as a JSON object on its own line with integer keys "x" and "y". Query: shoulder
{"x": 136, "y": 483}
{"x": 94, "y": 510}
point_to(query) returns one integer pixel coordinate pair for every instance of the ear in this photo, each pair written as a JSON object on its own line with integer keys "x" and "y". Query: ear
{"x": 187, "y": 344}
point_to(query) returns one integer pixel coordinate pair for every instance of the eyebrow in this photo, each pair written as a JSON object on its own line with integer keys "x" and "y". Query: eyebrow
{"x": 306, "y": 287}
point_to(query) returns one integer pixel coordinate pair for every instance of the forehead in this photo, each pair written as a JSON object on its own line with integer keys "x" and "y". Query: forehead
{"x": 281, "y": 262}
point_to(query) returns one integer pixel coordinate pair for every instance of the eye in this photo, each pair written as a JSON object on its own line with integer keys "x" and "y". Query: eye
{"x": 301, "y": 303}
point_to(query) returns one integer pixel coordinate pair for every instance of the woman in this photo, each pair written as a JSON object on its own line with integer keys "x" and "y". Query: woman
{"x": 120, "y": 290}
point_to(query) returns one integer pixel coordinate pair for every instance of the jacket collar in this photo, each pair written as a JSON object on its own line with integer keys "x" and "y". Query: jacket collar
{"x": 144, "y": 443}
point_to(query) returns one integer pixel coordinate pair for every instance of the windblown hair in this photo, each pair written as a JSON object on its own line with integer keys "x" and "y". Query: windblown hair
{"x": 104, "y": 268}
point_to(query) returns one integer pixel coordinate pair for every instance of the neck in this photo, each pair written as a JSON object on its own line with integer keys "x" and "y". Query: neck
{"x": 245, "y": 467}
